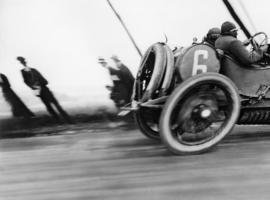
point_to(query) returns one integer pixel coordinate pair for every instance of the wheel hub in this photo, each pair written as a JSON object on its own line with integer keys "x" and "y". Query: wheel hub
{"x": 206, "y": 113}
{"x": 202, "y": 111}
{"x": 198, "y": 113}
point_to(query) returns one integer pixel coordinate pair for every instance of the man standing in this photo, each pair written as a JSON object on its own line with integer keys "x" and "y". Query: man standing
{"x": 18, "y": 108}
{"x": 38, "y": 84}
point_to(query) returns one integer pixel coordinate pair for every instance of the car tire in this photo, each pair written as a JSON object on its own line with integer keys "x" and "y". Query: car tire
{"x": 151, "y": 71}
{"x": 149, "y": 128}
{"x": 174, "y": 105}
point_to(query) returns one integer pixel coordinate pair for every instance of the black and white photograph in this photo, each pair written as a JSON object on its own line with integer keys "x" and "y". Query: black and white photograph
{"x": 134, "y": 99}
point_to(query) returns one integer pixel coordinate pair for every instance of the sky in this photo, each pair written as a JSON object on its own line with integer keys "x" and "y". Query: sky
{"x": 64, "y": 38}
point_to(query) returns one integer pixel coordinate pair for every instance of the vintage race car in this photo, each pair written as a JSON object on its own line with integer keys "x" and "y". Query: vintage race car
{"x": 191, "y": 98}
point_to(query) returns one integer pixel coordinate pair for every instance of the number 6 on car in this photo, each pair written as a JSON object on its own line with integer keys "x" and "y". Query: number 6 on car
{"x": 197, "y": 67}
{"x": 196, "y": 60}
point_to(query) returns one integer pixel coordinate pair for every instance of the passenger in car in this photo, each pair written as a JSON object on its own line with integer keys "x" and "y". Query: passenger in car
{"x": 211, "y": 36}
{"x": 229, "y": 43}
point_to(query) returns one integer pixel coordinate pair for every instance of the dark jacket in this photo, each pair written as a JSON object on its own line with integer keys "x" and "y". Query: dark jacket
{"x": 5, "y": 83}
{"x": 122, "y": 85}
{"x": 127, "y": 76}
{"x": 237, "y": 50}
{"x": 18, "y": 108}
{"x": 33, "y": 78}
{"x": 119, "y": 90}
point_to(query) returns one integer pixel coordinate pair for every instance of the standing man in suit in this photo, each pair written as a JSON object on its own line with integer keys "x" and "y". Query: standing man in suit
{"x": 38, "y": 84}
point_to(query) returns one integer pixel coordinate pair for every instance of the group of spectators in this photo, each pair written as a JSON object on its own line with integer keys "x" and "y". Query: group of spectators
{"x": 120, "y": 90}
{"x": 33, "y": 79}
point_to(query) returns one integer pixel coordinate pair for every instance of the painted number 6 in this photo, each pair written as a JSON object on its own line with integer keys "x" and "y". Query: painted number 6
{"x": 196, "y": 67}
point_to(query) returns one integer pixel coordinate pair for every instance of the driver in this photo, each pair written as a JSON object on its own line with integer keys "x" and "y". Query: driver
{"x": 229, "y": 43}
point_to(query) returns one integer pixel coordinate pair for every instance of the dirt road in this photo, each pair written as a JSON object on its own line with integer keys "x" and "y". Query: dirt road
{"x": 116, "y": 162}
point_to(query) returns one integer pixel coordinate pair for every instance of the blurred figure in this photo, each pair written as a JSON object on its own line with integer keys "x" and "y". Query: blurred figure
{"x": 18, "y": 108}
{"x": 38, "y": 84}
{"x": 122, "y": 89}
{"x": 126, "y": 78}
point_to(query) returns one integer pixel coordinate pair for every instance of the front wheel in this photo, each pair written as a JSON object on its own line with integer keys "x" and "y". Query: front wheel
{"x": 200, "y": 113}
{"x": 147, "y": 120}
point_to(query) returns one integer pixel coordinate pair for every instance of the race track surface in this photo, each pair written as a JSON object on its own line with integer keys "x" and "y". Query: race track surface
{"x": 112, "y": 161}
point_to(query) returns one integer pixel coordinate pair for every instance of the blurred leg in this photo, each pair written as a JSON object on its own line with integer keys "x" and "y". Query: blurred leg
{"x": 54, "y": 101}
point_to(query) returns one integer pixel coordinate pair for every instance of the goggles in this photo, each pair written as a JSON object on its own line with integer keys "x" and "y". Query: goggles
{"x": 234, "y": 30}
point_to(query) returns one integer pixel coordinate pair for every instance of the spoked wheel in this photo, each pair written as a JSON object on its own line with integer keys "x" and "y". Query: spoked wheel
{"x": 147, "y": 120}
{"x": 199, "y": 113}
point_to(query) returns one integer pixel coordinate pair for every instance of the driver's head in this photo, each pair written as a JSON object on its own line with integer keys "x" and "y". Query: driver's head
{"x": 228, "y": 28}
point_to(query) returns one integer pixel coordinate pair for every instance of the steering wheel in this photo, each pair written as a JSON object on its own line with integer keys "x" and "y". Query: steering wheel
{"x": 254, "y": 43}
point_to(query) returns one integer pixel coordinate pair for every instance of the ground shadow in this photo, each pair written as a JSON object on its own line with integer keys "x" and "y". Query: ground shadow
{"x": 46, "y": 125}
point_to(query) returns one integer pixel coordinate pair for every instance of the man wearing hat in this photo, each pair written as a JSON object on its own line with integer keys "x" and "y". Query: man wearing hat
{"x": 120, "y": 91}
{"x": 103, "y": 62}
{"x": 212, "y": 35}
{"x": 229, "y": 43}
{"x": 38, "y": 84}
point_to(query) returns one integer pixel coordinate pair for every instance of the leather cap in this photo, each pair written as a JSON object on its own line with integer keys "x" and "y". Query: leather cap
{"x": 213, "y": 32}
{"x": 227, "y": 27}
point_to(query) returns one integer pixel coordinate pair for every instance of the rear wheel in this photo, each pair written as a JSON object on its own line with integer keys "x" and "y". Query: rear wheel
{"x": 200, "y": 113}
